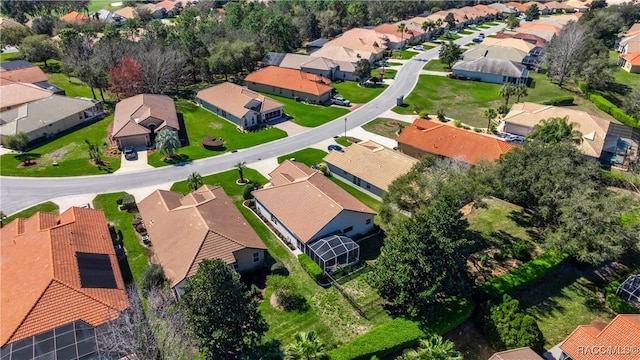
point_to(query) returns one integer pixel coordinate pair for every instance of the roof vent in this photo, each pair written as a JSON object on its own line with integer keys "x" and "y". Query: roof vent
{"x": 137, "y": 120}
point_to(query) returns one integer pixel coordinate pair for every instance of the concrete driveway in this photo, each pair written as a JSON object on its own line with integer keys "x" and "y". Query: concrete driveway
{"x": 136, "y": 164}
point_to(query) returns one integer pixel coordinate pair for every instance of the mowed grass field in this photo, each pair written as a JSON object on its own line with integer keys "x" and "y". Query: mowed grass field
{"x": 466, "y": 100}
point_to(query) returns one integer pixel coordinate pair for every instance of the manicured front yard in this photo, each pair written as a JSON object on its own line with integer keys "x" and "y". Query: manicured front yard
{"x": 69, "y": 151}
{"x": 384, "y": 127}
{"x": 8, "y": 56}
{"x": 466, "y": 100}
{"x": 226, "y": 180}
{"x": 200, "y": 123}
{"x": 308, "y": 156}
{"x": 404, "y": 54}
{"x": 357, "y": 94}
{"x": 436, "y": 65}
{"x": 451, "y": 37}
{"x": 95, "y": 5}
{"x": 44, "y": 207}
{"x": 122, "y": 220}
{"x": 386, "y": 74}
{"x": 309, "y": 115}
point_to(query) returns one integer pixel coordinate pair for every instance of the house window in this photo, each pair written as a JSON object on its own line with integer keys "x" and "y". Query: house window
{"x": 256, "y": 257}
{"x": 274, "y": 219}
{"x": 235, "y": 265}
{"x": 368, "y": 186}
{"x": 346, "y": 230}
{"x": 368, "y": 221}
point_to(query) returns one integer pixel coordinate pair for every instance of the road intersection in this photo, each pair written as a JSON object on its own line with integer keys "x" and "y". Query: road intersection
{"x": 17, "y": 193}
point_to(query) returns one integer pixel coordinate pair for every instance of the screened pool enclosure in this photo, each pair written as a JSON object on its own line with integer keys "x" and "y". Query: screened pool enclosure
{"x": 629, "y": 290}
{"x": 334, "y": 252}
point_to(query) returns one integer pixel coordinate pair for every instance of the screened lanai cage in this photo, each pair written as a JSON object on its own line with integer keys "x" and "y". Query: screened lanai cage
{"x": 334, "y": 252}
{"x": 629, "y": 290}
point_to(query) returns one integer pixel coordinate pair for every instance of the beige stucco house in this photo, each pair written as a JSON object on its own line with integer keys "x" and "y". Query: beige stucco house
{"x": 137, "y": 119}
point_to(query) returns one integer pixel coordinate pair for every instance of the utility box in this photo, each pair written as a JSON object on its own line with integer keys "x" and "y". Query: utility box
{"x": 400, "y": 100}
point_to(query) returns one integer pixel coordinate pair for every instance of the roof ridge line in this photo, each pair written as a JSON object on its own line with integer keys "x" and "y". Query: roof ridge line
{"x": 26, "y": 314}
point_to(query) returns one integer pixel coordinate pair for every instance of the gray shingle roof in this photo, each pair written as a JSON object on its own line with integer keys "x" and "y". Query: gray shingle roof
{"x": 491, "y": 66}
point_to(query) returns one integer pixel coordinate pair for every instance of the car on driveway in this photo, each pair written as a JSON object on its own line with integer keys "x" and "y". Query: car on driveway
{"x": 477, "y": 40}
{"x": 341, "y": 101}
{"x": 334, "y": 148}
{"x": 419, "y": 47}
{"x": 129, "y": 153}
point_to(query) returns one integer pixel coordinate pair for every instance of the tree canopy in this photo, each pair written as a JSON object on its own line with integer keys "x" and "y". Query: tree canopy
{"x": 450, "y": 53}
{"x": 555, "y": 130}
{"x": 221, "y": 312}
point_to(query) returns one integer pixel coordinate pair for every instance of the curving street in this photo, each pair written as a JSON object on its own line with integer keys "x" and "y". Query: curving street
{"x": 17, "y": 193}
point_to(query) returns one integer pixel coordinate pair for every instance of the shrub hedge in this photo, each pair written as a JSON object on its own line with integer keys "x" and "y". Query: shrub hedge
{"x": 607, "y": 106}
{"x": 525, "y": 274}
{"x": 386, "y": 339}
{"x": 560, "y": 100}
{"x": 311, "y": 267}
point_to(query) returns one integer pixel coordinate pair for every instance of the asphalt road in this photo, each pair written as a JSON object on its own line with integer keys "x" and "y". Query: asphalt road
{"x": 17, "y": 193}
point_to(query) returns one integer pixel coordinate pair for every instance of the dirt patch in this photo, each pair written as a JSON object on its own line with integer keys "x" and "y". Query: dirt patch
{"x": 273, "y": 300}
{"x": 215, "y": 125}
{"x": 59, "y": 154}
{"x": 470, "y": 342}
{"x": 29, "y": 164}
{"x": 101, "y": 164}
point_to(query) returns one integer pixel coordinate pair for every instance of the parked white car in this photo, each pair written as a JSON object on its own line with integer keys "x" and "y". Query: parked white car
{"x": 341, "y": 101}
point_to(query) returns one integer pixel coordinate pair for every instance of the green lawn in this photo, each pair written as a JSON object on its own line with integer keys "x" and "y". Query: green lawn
{"x": 387, "y": 74}
{"x": 400, "y": 64}
{"x": 404, "y": 54}
{"x": 95, "y": 5}
{"x": 309, "y": 115}
{"x": 122, "y": 220}
{"x": 560, "y": 302}
{"x": 372, "y": 203}
{"x": 381, "y": 126}
{"x": 8, "y": 56}
{"x": 44, "y": 207}
{"x": 69, "y": 151}
{"x": 357, "y": 94}
{"x": 472, "y": 97}
{"x": 347, "y": 141}
{"x": 427, "y": 47}
{"x": 466, "y": 32}
{"x": 226, "y": 180}
{"x": 73, "y": 87}
{"x": 451, "y": 37}
{"x": 200, "y": 123}
{"x": 436, "y": 65}
{"x": 484, "y": 27}
{"x": 491, "y": 24}
{"x": 308, "y": 156}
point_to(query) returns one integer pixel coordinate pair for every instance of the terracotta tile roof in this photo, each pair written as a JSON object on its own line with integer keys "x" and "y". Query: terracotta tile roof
{"x": 41, "y": 279}
{"x": 132, "y": 112}
{"x": 204, "y": 224}
{"x": 557, "y": 5}
{"x": 577, "y": 4}
{"x": 291, "y": 79}
{"x": 390, "y": 30}
{"x": 167, "y": 5}
{"x": 75, "y": 16}
{"x": 633, "y": 58}
{"x": 305, "y": 201}
{"x": 594, "y": 129}
{"x": 633, "y": 30}
{"x": 448, "y": 141}
{"x": 587, "y": 342}
{"x": 516, "y": 354}
{"x": 520, "y": 6}
{"x": 530, "y": 37}
{"x": 488, "y": 10}
{"x": 237, "y": 100}
{"x": 13, "y": 94}
{"x": 126, "y": 12}
{"x": 360, "y": 39}
{"x": 372, "y": 162}
{"x": 30, "y": 75}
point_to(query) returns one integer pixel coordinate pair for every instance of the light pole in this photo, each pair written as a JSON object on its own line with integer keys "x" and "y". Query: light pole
{"x": 345, "y": 128}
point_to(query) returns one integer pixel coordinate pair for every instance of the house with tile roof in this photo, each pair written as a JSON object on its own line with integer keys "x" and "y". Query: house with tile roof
{"x": 344, "y": 54}
{"x": 497, "y": 71}
{"x": 75, "y": 17}
{"x": 516, "y": 354}
{"x": 48, "y": 116}
{"x": 517, "y": 5}
{"x": 369, "y": 165}
{"x": 396, "y": 39}
{"x": 503, "y": 9}
{"x": 138, "y": 119}
{"x": 366, "y": 42}
{"x": 60, "y": 279}
{"x": 290, "y": 83}
{"x": 321, "y": 66}
{"x": 556, "y": 6}
{"x": 107, "y": 16}
{"x": 620, "y": 339}
{"x": 21, "y": 71}
{"x": 600, "y": 140}
{"x": 530, "y": 38}
{"x": 204, "y": 224}
{"x": 304, "y": 206}
{"x": 126, "y": 12}
{"x": 243, "y": 107}
{"x": 630, "y": 62}
{"x": 425, "y": 137}
{"x": 16, "y": 94}
{"x": 545, "y": 31}
{"x": 629, "y": 44}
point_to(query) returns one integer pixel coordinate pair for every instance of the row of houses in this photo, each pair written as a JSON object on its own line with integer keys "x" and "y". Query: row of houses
{"x": 159, "y": 10}
{"x": 31, "y": 105}
{"x": 629, "y": 48}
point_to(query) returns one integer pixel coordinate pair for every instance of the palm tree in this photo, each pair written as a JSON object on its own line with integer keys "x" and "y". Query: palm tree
{"x": 240, "y": 166}
{"x": 490, "y": 114}
{"x": 433, "y": 348}
{"x": 167, "y": 141}
{"x": 306, "y": 346}
{"x": 521, "y": 91}
{"x": 506, "y": 91}
{"x": 428, "y": 26}
{"x": 555, "y": 130}
{"x": 194, "y": 181}
{"x": 402, "y": 27}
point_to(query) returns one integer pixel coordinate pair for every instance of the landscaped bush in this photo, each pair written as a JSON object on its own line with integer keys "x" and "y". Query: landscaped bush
{"x": 278, "y": 268}
{"x": 424, "y": 114}
{"x": 601, "y": 103}
{"x": 386, "y": 339}
{"x": 457, "y": 123}
{"x": 525, "y": 274}
{"x": 248, "y": 188}
{"x": 314, "y": 270}
{"x": 286, "y": 293}
{"x": 583, "y": 87}
{"x": 521, "y": 250}
{"x": 128, "y": 202}
{"x": 508, "y": 327}
{"x": 560, "y": 100}
{"x": 152, "y": 277}
{"x": 621, "y": 116}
